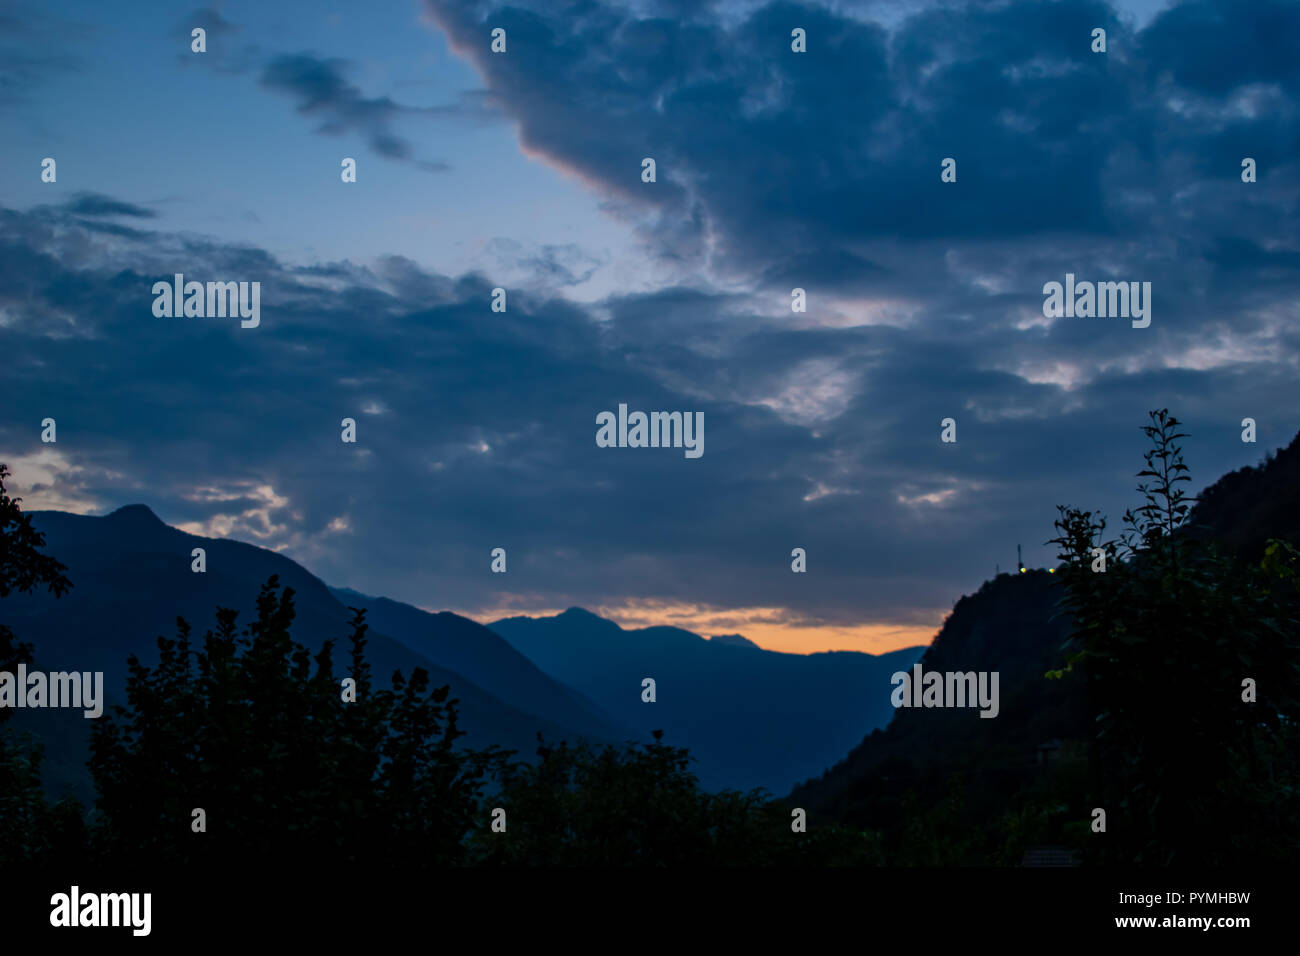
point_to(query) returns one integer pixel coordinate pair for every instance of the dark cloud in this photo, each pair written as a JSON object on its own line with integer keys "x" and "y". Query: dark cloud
{"x": 322, "y": 91}
{"x": 95, "y": 205}
{"x": 776, "y": 170}
{"x": 1217, "y": 47}
{"x": 773, "y": 162}
{"x": 477, "y": 428}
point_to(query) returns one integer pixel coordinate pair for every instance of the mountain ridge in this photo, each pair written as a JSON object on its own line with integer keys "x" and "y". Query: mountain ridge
{"x": 751, "y": 717}
{"x": 132, "y": 577}
{"x": 479, "y": 654}
{"x": 920, "y": 748}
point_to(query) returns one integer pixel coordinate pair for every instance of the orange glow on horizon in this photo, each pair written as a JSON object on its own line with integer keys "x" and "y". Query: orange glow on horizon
{"x": 774, "y": 629}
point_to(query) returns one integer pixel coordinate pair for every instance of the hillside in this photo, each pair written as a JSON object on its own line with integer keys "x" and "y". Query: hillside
{"x": 131, "y": 579}
{"x": 1246, "y": 507}
{"x": 1011, "y": 625}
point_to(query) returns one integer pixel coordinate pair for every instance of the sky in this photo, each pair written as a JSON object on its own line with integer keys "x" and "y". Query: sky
{"x": 522, "y": 170}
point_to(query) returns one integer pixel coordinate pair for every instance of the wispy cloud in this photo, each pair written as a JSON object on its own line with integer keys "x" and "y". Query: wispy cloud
{"x": 321, "y": 90}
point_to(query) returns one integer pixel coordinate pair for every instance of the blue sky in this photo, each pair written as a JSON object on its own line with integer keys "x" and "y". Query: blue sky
{"x": 522, "y": 170}
{"x": 211, "y": 145}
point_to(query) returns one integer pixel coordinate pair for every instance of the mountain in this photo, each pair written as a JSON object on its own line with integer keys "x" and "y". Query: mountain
{"x": 751, "y": 717}
{"x": 487, "y": 659}
{"x": 1011, "y": 625}
{"x": 1246, "y": 507}
{"x": 131, "y": 579}
{"x": 734, "y": 640}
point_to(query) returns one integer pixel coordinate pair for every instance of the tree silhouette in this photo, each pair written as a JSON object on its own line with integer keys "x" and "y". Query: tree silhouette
{"x": 253, "y": 728}
{"x": 23, "y": 568}
{"x": 640, "y": 805}
{"x": 1187, "y": 770}
{"x": 29, "y": 828}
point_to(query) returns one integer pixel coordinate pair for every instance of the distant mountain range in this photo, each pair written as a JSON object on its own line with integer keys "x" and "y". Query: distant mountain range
{"x": 131, "y": 579}
{"x": 751, "y": 717}
{"x": 734, "y": 640}
{"x": 469, "y": 649}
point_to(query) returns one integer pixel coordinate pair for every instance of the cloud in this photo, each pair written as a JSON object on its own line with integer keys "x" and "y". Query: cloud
{"x": 96, "y": 205}
{"x": 549, "y": 265}
{"x": 814, "y": 169}
{"x": 222, "y": 53}
{"x": 321, "y": 91}
{"x": 210, "y": 19}
{"x": 35, "y": 48}
{"x": 476, "y": 429}
{"x": 776, "y": 170}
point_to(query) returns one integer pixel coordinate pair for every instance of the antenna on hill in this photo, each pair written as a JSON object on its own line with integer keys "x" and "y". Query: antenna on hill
{"x": 1019, "y": 563}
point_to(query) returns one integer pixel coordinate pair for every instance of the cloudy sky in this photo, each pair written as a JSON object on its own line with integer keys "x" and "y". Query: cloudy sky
{"x": 775, "y": 170}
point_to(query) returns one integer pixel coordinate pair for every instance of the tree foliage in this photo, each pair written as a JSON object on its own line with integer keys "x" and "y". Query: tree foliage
{"x": 640, "y": 805}
{"x": 1187, "y": 770}
{"x": 29, "y": 827}
{"x": 253, "y": 728}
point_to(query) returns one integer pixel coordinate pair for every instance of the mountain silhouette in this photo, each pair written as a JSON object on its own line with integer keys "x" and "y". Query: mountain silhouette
{"x": 487, "y": 659}
{"x": 820, "y": 723}
{"x": 734, "y": 640}
{"x": 1246, "y": 507}
{"x": 751, "y": 717}
{"x": 132, "y": 577}
{"x": 1012, "y": 625}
